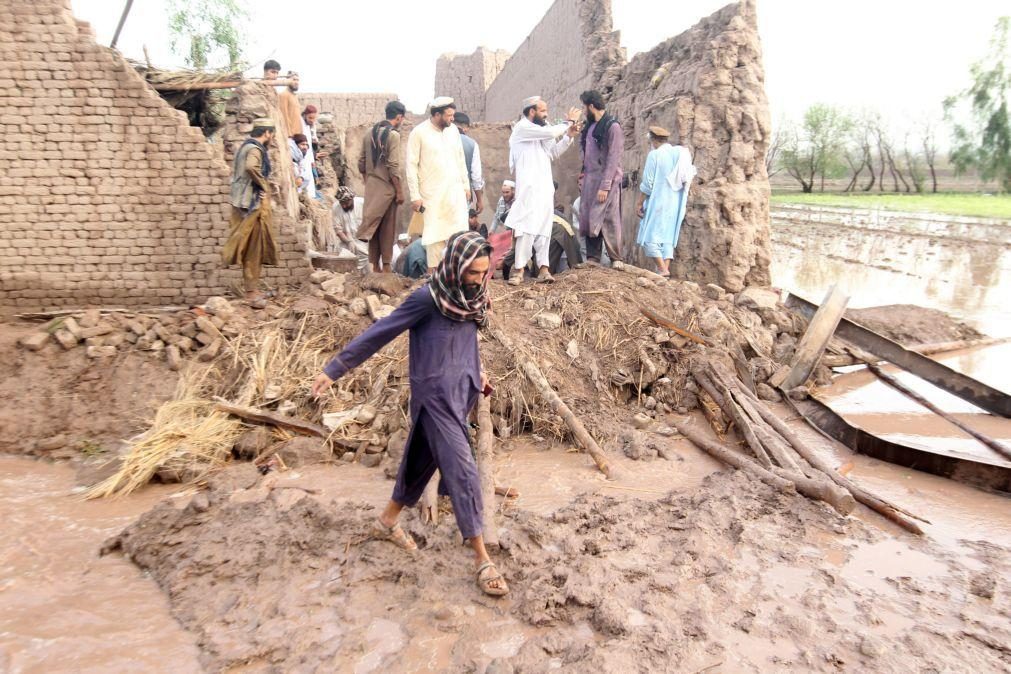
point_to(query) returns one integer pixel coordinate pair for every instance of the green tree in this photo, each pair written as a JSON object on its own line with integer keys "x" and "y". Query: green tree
{"x": 984, "y": 141}
{"x": 207, "y": 33}
{"x": 814, "y": 151}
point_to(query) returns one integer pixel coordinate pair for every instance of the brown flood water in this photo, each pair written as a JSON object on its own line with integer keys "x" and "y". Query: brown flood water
{"x": 62, "y": 607}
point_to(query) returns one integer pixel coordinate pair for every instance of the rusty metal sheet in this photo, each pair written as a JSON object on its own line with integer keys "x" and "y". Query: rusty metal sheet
{"x": 976, "y": 392}
{"x": 992, "y": 474}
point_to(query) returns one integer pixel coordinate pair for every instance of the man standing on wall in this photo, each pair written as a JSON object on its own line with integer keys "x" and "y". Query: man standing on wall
{"x": 291, "y": 110}
{"x": 251, "y": 239}
{"x": 379, "y": 165}
{"x": 472, "y": 157}
{"x": 533, "y": 145}
{"x": 601, "y": 146}
{"x": 437, "y": 179}
{"x": 271, "y": 69}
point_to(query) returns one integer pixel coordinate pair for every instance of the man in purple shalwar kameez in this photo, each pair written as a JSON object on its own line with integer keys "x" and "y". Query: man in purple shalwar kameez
{"x": 443, "y": 317}
{"x": 601, "y": 147}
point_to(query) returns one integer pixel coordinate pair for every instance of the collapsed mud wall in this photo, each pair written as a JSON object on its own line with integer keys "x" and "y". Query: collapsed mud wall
{"x": 572, "y": 49}
{"x": 466, "y": 77}
{"x": 493, "y": 140}
{"x": 108, "y": 195}
{"x": 707, "y": 87}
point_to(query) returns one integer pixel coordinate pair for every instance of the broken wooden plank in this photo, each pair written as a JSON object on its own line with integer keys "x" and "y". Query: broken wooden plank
{"x": 845, "y": 360}
{"x": 259, "y": 416}
{"x": 816, "y": 337}
{"x": 979, "y": 394}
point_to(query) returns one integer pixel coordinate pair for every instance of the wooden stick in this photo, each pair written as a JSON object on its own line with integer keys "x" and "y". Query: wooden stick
{"x": 485, "y": 468}
{"x": 199, "y": 86}
{"x": 996, "y": 446}
{"x": 272, "y": 418}
{"x": 671, "y": 325}
{"x": 558, "y": 406}
{"x": 734, "y": 411}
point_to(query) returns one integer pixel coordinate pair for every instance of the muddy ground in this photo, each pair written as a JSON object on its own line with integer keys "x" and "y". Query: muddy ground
{"x": 730, "y": 575}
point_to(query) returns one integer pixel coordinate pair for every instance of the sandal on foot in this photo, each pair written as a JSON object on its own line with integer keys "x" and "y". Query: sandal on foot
{"x": 394, "y": 534}
{"x": 515, "y": 279}
{"x": 545, "y": 277}
{"x": 488, "y": 574}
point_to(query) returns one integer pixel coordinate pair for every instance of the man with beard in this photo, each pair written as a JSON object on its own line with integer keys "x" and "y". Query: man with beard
{"x": 533, "y": 145}
{"x": 443, "y": 317}
{"x": 601, "y": 147}
{"x": 505, "y": 202}
{"x": 379, "y": 164}
{"x": 437, "y": 178}
{"x": 291, "y": 110}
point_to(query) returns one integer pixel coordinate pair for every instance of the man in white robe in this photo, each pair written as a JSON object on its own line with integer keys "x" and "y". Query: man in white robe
{"x": 533, "y": 145}
{"x": 437, "y": 179}
{"x": 308, "y": 128}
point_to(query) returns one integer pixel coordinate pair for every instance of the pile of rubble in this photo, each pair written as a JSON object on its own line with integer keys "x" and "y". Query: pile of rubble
{"x": 202, "y": 332}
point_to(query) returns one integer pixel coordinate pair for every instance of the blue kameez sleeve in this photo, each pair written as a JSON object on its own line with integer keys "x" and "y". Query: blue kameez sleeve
{"x": 648, "y": 174}
{"x": 414, "y": 310}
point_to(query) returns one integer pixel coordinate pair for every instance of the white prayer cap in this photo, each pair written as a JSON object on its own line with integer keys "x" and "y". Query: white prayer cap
{"x": 533, "y": 100}
{"x": 508, "y": 183}
{"x": 440, "y": 102}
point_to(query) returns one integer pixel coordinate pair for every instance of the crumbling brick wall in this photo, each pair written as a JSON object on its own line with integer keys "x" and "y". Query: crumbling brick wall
{"x": 572, "y": 49}
{"x": 466, "y": 77}
{"x": 707, "y": 87}
{"x": 350, "y": 109}
{"x": 108, "y": 195}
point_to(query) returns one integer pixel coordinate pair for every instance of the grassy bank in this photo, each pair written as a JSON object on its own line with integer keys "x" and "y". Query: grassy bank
{"x": 949, "y": 203}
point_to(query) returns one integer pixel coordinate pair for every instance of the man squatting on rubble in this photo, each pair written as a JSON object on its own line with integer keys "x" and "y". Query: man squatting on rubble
{"x": 437, "y": 178}
{"x": 251, "y": 239}
{"x": 533, "y": 145}
{"x": 446, "y": 377}
{"x": 601, "y": 147}
{"x": 379, "y": 164}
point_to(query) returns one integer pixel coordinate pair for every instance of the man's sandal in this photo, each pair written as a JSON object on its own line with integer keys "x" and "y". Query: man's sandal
{"x": 488, "y": 574}
{"x": 394, "y": 534}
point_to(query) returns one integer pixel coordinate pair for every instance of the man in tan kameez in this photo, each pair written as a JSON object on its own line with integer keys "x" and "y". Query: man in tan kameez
{"x": 379, "y": 164}
{"x": 251, "y": 238}
{"x": 291, "y": 109}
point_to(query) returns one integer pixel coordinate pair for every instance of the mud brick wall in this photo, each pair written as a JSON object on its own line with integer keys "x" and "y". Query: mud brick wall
{"x": 572, "y": 49}
{"x": 349, "y": 110}
{"x": 466, "y": 77}
{"x": 107, "y": 195}
{"x": 707, "y": 87}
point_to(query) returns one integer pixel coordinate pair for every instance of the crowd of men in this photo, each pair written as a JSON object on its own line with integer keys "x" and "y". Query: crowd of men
{"x": 443, "y": 180}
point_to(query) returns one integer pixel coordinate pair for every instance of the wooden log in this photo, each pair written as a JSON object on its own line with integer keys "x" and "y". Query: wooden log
{"x": 734, "y": 411}
{"x": 204, "y": 86}
{"x": 846, "y": 360}
{"x": 877, "y": 504}
{"x": 816, "y": 337}
{"x": 777, "y": 477}
{"x": 996, "y": 446}
{"x": 671, "y": 325}
{"x": 540, "y": 382}
{"x": 259, "y": 416}
{"x": 485, "y": 468}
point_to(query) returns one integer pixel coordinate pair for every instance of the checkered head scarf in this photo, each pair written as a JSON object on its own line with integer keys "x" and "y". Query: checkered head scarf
{"x": 446, "y": 285}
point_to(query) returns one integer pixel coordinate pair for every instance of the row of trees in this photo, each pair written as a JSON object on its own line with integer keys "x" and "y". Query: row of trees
{"x": 832, "y": 143}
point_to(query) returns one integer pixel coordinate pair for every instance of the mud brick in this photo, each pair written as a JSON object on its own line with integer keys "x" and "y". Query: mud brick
{"x": 35, "y": 341}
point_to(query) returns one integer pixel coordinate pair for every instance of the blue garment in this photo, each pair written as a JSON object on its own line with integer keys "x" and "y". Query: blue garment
{"x": 663, "y": 251}
{"x": 665, "y": 206}
{"x": 445, "y": 376}
{"x": 413, "y": 261}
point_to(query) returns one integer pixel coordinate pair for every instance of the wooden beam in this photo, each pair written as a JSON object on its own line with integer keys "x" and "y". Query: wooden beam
{"x": 812, "y": 344}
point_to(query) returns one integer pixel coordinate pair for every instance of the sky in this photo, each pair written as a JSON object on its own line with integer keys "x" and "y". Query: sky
{"x": 895, "y": 56}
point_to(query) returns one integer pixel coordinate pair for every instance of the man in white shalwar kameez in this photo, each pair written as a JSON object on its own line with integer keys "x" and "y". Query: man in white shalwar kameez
{"x": 533, "y": 145}
{"x": 308, "y": 127}
{"x": 437, "y": 179}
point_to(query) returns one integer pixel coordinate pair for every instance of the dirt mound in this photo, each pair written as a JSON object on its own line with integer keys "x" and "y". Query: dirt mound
{"x": 909, "y": 324}
{"x": 278, "y": 579}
